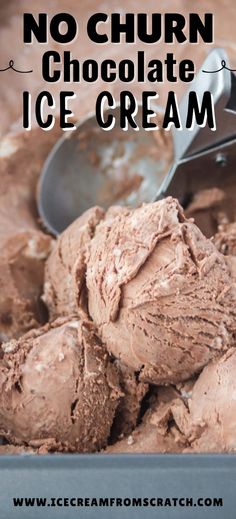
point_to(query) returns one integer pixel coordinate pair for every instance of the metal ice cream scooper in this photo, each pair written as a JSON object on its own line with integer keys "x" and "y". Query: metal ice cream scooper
{"x": 90, "y": 167}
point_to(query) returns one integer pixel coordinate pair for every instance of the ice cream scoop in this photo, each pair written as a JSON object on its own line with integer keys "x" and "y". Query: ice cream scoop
{"x": 96, "y": 167}
{"x": 212, "y": 407}
{"x": 59, "y": 390}
{"x": 91, "y": 167}
{"x": 159, "y": 292}
{"x": 207, "y": 419}
{"x": 203, "y": 410}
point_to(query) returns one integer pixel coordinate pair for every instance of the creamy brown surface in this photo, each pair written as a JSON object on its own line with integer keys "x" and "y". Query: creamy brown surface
{"x": 21, "y": 279}
{"x": 146, "y": 439}
{"x": 204, "y": 410}
{"x": 65, "y": 267}
{"x": 23, "y": 246}
{"x": 225, "y": 239}
{"x": 22, "y": 156}
{"x": 6, "y": 450}
{"x": 129, "y": 408}
{"x": 150, "y": 436}
{"x": 212, "y": 407}
{"x": 213, "y": 208}
{"x": 159, "y": 292}
{"x": 59, "y": 389}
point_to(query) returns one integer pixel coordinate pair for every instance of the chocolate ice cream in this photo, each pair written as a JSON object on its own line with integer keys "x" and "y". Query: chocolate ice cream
{"x": 203, "y": 410}
{"x": 7, "y": 450}
{"x": 146, "y": 439}
{"x": 129, "y": 408}
{"x": 23, "y": 246}
{"x": 149, "y": 436}
{"x": 159, "y": 292}
{"x": 225, "y": 239}
{"x": 59, "y": 389}
{"x": 21, "y": 278}
{"x": 195, "y": 417}
{"x": 212, "y": 208}
{"x": 212, "y": 407}
{"x": 65, "y": 268}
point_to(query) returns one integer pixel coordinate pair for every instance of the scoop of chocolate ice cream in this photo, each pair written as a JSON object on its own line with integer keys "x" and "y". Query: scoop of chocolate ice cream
{"x": 203, "y": 410}
{"x": 58, "y": 389}
{"x": 65, "y": 268}
{"x": 212, "y": 407}
{"x": 159, "y": 292}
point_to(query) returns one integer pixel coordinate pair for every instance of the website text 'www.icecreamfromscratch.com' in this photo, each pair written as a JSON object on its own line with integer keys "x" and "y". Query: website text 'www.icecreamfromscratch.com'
{"x": 132, "y": 502}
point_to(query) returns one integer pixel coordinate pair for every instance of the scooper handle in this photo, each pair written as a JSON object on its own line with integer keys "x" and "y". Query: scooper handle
{"x": 221, "y": 82}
